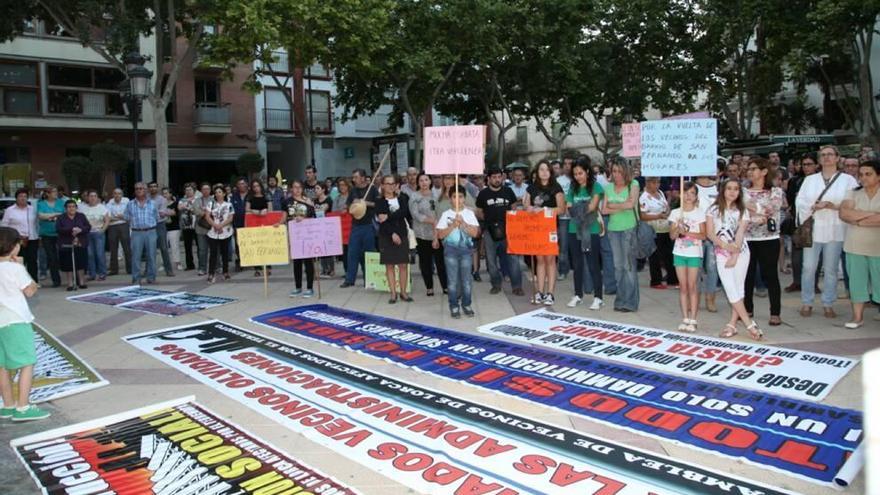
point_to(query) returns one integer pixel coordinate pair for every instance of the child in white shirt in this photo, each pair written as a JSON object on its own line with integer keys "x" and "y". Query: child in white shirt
{"x": 457, "y": 228}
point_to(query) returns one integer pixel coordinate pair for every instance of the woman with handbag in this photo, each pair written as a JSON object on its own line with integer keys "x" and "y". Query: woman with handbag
{"x": 821, "y": 231}
{"x": 654, "y": 210}
{"x": 861, "y": 210}
{"x": 394, "y": 245}
{"x": 764, "y": 203}
{"x": 621, "y": 195}
{"x": 423, "y": 208}
{"x": 544, "y": 192}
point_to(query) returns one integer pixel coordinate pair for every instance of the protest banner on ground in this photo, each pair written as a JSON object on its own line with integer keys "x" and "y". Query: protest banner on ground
{"x": 263, "y": 246}
{"x": 121, "y": 295}
{"x": 798, "y": 438}
{"x": 267, "y": 220}
{"x": 179, "y": 303}
{"x": 764, "y": 368}
{"x": 455, "y": 149}
{"x": 375, "y": 276}
{"x": 632, "y": 140}
{"x": 532, "y": 233}
{"x": 679, "y": 147}
{"x": 419, "y": 437}
{"x": 175, "y": 448}
{"x": 59, "y": 372}
{"x": 345, "y": 218}
{"x": 315, "y": 237}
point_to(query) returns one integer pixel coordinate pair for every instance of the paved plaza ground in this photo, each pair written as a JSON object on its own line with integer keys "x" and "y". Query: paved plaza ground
{"x": 136, "y": 379}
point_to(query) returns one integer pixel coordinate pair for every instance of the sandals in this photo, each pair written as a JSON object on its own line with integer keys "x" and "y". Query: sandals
{"x": 728, "y": 332}
{"x": 754, "y": 332}
{"x": 687, "y": 325}
{"x": 393, "y": 300}
{"x": 775, "y": 321}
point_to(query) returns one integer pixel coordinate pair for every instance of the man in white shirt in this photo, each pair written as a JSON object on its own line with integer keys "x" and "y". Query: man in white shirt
{"x": 118, "y": 233}
{"x": 410, "y": 186}
{"x": 22, "y": 217}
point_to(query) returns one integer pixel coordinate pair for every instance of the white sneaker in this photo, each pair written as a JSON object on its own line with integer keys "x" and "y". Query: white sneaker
{"x": 548, "y": 300}
{"x": 575, "y": 300}
{"x": 597, "y": 304}
{"x": 538, "y": 299}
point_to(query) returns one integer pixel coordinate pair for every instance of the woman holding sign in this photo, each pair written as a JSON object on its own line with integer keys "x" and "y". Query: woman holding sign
{"x": 257, "y": 203}
{"x": 298, "y": 207}
{"x": 621, "y": 196}
{"x": 544, "y": 193}
{"x": 391, "y": 213}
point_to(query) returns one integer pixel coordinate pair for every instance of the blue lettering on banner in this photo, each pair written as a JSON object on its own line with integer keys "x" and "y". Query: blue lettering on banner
{"x": 804, "y": 439}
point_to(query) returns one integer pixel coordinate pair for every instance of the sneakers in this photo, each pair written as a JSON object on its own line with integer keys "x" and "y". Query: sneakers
{"x": 6, "y": 412}
{"x": 548, "y": 300}
{"x": 308, "y": 293}
{"x": 597, "y": 304}
{"x": 455, "y": 312}
{"x": 468, "y": 311}
{"x": 30, "y": 413}
{"x": 561, "y": 276}
{"x": 477, "y": 277}
{"x": 346, "y": 285}
{"x": 296, "y": 293}
{"x": 575, "y": 300}
{"x": 538, "y": 299}
{"x": 494, "y": 290}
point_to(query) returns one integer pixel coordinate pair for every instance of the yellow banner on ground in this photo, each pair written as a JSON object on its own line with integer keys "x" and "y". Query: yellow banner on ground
{"x": 261, "y": 246}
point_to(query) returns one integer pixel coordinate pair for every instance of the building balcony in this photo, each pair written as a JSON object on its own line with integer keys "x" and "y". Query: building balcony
{"x": 277, "y": 119}
{"x": 211, "y": 118}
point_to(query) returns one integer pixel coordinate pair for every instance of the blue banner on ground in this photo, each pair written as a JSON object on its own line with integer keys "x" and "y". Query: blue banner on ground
{"x": 803, "y": 439}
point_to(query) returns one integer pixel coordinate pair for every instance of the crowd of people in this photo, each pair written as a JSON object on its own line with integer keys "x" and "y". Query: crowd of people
{"x": 754, "y": 220}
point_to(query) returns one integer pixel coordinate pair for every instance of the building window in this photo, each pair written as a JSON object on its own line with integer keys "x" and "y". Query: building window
{"x": 276, "y": 112}
{"x": 19, "y": 88}
{"x": 317, "y": 71}
{"x": 321, "y": 114}
{"x": 522, "y": 139}
{"x": 207, "y": 92}
{"x": 82, "y": 90}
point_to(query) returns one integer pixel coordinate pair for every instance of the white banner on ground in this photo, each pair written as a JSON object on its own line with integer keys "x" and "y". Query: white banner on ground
{"x": 803, "y": 375}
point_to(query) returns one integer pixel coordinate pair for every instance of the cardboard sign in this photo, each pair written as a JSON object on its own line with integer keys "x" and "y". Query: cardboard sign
{"x": 532, "y": 233}
{"x": 59, "y": 371}
{"x": 375, "y": 277}
{"x": 679, "y": 147}
{"x": 260, "y": 246}
{"x": 179, "y": 303}
{"x": 346, "y": 219}
{"x": 455, "y": 149}
{"x": 269, "y": 219}
{"x": 763, "y": 368}
{"x": 422, "y": 438}
{"x": 315, "y": 238}
{"x": 813, "y": 442}
{"x": 174, "y": 447}
{"x": 632, "y": 140}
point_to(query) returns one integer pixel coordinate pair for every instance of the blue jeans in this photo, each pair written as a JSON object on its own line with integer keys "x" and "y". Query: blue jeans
{"x": 499, "y": 262}
{"x": 458, "y": 271}
{"x": 607, "y": 257}
{"x": 709, "y": 285}
{"x": 830, "y": 253}
{"x": 143, "y": 244}
{"x": 563, "y": 264}
{"x": 625, "y": 274}
{"x": 202, "y": 244}
{"x": 162, "y": 240}
{"x": 97, "y": 260}
{"x": 362, "y": 239}
{"x": 585, "y": 266}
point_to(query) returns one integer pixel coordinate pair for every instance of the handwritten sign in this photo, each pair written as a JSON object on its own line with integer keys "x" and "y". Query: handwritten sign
{"x": 458, "y": 149}
{"x": 315, "y": 238}
{"x": 260, "y": 246}
{"x": 685, "y": 147}
{"x": 346, "y": 218}
{"x": 632, "y": 140}
{"x": 271, "y": 218}
{"x": 532, "y": 233}
{"x": 375, "y": 276}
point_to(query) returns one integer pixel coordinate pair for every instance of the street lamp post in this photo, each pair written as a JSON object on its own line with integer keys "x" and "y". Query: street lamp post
{"x": 136, "y": 90}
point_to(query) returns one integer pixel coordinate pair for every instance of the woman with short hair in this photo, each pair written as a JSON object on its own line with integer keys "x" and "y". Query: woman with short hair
{"x": 99, "y": 219}
{"x": 73, "y": 240}
{"x": 861, "y": 210}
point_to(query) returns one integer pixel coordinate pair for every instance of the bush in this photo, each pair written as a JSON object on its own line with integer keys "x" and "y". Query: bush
{"x": 109, "y": 157}
{"x": 249, "y": 164}
{"x": 79, "y": 172}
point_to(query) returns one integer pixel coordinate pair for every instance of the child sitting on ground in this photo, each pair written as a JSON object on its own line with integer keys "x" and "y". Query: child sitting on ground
{"x": 17, "y": 349}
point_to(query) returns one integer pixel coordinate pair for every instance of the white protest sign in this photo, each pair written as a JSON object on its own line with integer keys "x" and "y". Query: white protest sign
{"x": 803, "y": 375}
{"x": 679, "y": 147}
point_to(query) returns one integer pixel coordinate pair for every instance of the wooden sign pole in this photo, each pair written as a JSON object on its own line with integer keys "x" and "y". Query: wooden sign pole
{"x": 317, "y": 278}
{"x": 265, "y": 283}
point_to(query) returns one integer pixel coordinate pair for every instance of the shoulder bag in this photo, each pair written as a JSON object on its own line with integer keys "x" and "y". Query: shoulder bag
{"x": 803, "y": 233}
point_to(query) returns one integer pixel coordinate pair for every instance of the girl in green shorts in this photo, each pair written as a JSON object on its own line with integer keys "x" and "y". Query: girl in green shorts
{"x": 17, "y": 350}
{"x": 688, "y": 229}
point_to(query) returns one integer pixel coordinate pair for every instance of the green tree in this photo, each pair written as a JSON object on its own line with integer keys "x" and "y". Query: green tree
{"x": 108, "y": 158}
{"x": 249, "y": 164}
{"x": 335, "y": 34}
{"x": 79, "y": 172}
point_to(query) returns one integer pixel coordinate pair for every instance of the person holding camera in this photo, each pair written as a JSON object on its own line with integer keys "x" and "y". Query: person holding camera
{"x": 492, "y": 205}
{"x": 765, "y": 204}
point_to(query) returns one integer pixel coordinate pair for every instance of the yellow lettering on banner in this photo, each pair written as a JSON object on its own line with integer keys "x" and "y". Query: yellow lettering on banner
{"x": 261, "y": 246}
{"x": 204, "y": 442}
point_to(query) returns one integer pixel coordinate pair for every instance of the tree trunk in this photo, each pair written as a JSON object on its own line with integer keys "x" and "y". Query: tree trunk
{"x": 417, "y": 140}
{"x": 161, "y": 138}
{"x": 501, "y": 145}
{"x": 870, "y": 134}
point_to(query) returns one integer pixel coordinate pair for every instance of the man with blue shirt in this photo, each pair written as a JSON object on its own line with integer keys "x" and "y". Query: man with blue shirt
{"x": 142, "y": 216}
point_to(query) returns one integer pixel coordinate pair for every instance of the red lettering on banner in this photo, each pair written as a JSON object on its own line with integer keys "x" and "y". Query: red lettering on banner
{"x": 592, "y": 401}
{"x": 404, "y": 355}
{"x": 432, "y": 428}
{"x": 334, "y": 427}
{"x": 488, "y": 375}
{"x": 451, "y": 362}
{"x": 356, "y": 339}
{"x": 474, "y": 485}
{"x": 443, "y": 474}
{"x": 565, "y": 475}
{"x": 534, "y": 386}
{"x": 491, "y": 447}
{"x": 316, "y": 420}
{"x": 729, "y": 436}
{"x": 413, "y": 462}
{"x": 795, "y": 453}
{"x": 383, "y": 346}
{"x": 354, "y": 438}
{"x": 658, "y": 418}
{"x": 534, "y": 464}
{"x": 386, "y": 451}
{"x": 285, "y": 321}
{"x": 462, "y": 439}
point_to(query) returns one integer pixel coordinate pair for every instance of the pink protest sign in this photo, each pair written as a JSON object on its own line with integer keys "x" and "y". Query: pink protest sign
{"x": 315, "y": 238}
{"x": 457, "y": 149}
{"x": 632, "y": 140}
